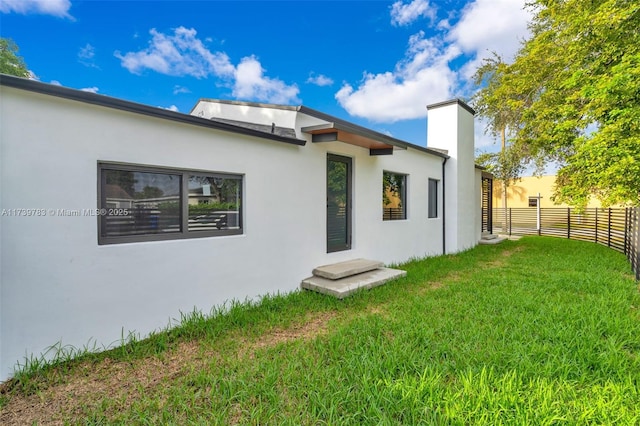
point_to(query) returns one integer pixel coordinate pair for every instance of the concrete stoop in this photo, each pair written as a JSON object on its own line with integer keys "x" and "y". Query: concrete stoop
{"x": 345, "y": 278}
{"x": 491, "y": 238}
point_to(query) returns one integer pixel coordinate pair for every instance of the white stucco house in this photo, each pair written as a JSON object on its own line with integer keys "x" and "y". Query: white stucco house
{"x": 116, "y": 217}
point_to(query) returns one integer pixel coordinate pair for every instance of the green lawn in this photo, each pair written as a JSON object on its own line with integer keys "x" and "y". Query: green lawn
{"x": 537, "y": 331}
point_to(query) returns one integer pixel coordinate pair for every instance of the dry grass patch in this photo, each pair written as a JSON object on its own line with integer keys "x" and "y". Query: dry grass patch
{"x": 89, "y": 383}
{"x": 452, "y": 277}
{"x": 313, "y": 326}
{"x": 502, "y": 260}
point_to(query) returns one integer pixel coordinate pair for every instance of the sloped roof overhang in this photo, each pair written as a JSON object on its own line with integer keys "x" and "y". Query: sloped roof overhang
{"x": 335, "y": 129}
{"x": 334, "y": 132}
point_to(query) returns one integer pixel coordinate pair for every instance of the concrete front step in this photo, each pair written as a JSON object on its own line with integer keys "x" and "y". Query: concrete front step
{"x": 346, "y": 286}
{"x": 488, "y": 236}
{"x": 340, "y": 270}
{"x": 496, "y": 240}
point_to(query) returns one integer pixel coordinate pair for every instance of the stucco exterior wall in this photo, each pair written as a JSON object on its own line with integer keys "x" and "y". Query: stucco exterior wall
{"x": 450, "y": 127}
{"x": 59, "y": 285}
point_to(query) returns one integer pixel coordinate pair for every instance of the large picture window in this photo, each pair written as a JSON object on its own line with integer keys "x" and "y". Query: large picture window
{"x": 394, "y": 187}
{"x": 139, "y": 203}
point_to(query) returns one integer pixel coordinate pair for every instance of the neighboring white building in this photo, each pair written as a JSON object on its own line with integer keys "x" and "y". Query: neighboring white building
{"x": 233, "y": 201}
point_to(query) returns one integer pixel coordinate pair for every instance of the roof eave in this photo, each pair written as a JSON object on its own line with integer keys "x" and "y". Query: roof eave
{"x": 338, "y": 124}
{"x": 120, "y": 104}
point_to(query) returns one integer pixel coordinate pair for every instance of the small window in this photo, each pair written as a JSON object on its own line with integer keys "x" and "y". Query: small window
{"x": 146, "y": 204}
{"x": 533, "y": 201}
{"x": 433, "y": 198}
{"x": 394, "y": 196}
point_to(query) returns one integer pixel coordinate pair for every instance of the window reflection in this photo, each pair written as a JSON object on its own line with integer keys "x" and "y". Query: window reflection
{"x": 394, "y": 196}
{"x": 141, "y": 203}
{"x": 214, "y": 202}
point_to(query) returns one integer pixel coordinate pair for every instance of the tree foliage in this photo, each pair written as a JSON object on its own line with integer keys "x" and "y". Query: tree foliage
{"x": 572, "y": 96}
{"x": 505, "y": 165}
{"x": 10, "y": 62}
{"x": 497, "y": 101}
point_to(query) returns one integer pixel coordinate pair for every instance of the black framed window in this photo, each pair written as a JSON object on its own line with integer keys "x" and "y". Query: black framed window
{"x": 433, "y": 199}
{"x": 394, "y": 196}
{"x": 144, "y": 203}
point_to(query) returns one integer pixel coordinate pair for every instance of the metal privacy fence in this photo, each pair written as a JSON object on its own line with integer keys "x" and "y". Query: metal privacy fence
{"x": 617, "y": 228}
{"x": 393, "y": 213}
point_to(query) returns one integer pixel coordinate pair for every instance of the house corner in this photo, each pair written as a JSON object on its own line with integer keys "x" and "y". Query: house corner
{"x": 450, "y": 127}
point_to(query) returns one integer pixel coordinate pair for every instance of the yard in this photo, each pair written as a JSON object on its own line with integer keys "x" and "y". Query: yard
{"x": 536, "y": 331}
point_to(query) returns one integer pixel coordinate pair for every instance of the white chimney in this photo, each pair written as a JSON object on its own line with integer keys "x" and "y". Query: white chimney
{"x": 450, "y": 127}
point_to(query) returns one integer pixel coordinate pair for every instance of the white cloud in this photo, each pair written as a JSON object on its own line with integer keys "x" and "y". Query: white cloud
{"x": 319, "y": 80}
{"x": 86, "y": 56}
{"x": 55, "y": 83}
{"x": 179, "y": 89}
{"x": 87, "y": 52}
{"x": 407, "y": 13}
{"x": 423, "y": 77}
{"x": 488, "y": 26}
{"x": 171, "y": 108}
{"x": 491, "y": 25}
{"x": 179, "y": 54}
{"x": 59, "y": 8}
{"x": 250, "y": 83}
{"x": 427, "y": 72}
{"x": 184, "y": 54}
{"x": 93, "y": 89}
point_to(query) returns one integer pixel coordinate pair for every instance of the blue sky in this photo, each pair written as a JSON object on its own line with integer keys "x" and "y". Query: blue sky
{"x": 375, "y": 63}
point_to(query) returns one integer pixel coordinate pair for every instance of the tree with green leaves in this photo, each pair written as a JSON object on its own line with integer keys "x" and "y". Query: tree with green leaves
{"x": 505, "y": 166}
{"x": 572, "y": 97}
{"x": 10, "y": 62}
{"x": 501, "y": 107}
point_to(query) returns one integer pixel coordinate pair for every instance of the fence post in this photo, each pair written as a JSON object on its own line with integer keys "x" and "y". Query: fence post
{"x": 538, "y": 214}
{"x": 637, "y": 246}
{"x": 568, "y": 222}
{"x": 609, "y": 233}
{"x": 596, "y": 234}
{"x": 509, "y": 221}
{"x": 626, "y": 232}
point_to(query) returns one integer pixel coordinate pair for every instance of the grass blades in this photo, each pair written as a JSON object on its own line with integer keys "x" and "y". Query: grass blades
{"x": 536, "y": 331}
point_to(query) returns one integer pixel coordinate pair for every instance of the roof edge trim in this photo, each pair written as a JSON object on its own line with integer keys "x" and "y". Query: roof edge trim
{"x": 340, "y": 124}
{"x": 120, "y": 104}
{"x": 458, "y": 101}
